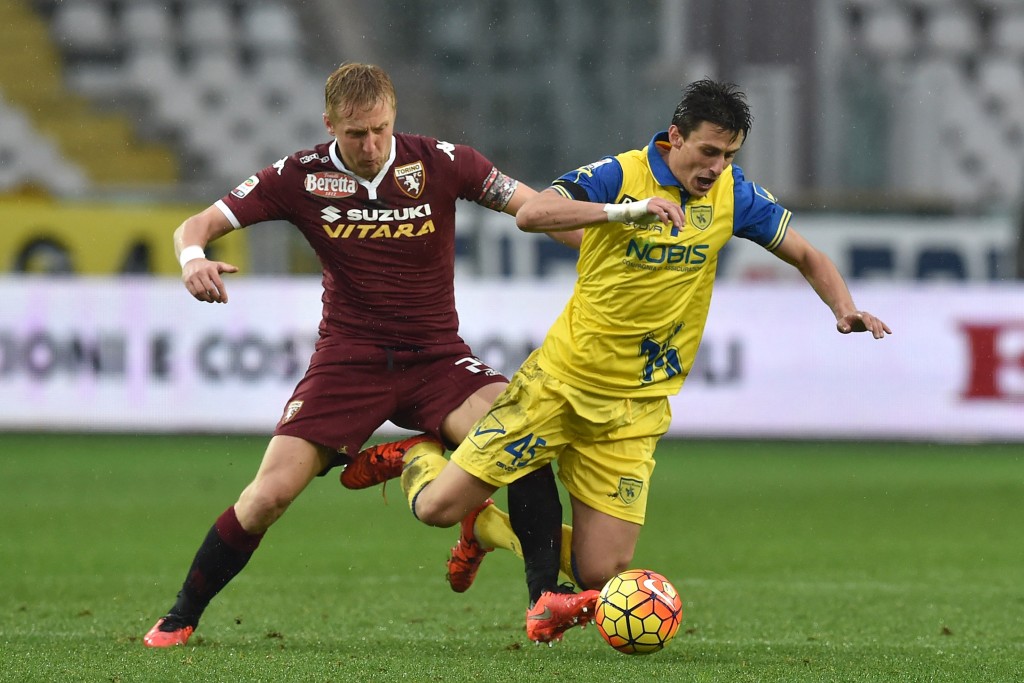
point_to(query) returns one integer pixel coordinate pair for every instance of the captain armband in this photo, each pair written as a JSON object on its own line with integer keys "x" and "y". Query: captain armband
{"x": 498, "y": 190}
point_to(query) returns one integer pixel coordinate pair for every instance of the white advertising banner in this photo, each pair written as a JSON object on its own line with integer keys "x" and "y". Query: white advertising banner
{"x": 140, "y": 355}
{"x": 865, "y": 247}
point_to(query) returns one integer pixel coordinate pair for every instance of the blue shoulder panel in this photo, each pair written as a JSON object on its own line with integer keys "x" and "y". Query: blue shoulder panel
{"x": 757, "y": 216}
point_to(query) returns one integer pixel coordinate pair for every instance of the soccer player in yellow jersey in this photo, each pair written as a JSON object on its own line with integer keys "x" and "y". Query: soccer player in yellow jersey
{"x": 594, "y": 396}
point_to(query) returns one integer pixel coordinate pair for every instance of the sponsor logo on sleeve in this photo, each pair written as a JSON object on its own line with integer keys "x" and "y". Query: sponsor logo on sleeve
{"x": 246, "y": 186}
{"x": 314, "y": 157}
{"x": 761, "y": 192}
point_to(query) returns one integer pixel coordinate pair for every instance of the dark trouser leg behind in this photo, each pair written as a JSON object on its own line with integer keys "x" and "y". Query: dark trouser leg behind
{"x": 535, "y": 513}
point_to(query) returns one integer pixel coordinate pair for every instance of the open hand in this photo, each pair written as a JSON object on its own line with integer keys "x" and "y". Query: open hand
{"x": 862, "y": 321}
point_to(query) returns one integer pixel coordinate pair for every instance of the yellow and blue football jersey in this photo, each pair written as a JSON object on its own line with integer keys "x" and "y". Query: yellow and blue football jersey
{"x": 637, "y": 313}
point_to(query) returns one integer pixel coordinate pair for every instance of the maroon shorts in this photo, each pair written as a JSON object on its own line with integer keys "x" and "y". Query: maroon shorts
{"x": 348, "y": 393}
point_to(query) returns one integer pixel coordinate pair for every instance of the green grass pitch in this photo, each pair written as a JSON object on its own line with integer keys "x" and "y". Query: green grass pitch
{"x": 796, "y": 562}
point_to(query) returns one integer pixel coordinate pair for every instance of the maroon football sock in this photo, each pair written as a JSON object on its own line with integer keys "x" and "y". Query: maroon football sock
{"x": 223, "y": 554}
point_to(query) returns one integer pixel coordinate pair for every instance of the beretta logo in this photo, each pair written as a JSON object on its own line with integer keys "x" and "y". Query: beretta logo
{"x": 330, "y": 184}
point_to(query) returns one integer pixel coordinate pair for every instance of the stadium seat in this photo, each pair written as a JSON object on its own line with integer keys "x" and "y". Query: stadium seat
{"x": 84, "y": 29}
{"x": 15, "y": 141}
{"x": 212, "y": 66}
{"x": 147, "y": 23}
{"x": 888, "y": 33}
{"x": 1006, "y": 170}
{"x": 281, "y": 70}
{"x": 1001, "y": 79}
{"x": 1008, "y": 32}
{"x": 277, "y": 138}
{"x": 28, "y": 158}
{"x": 176, "y": 107}
{"x": 270, "y": 27}
{"x": 952, "y": 32}
{"x": 100, "y": 80}
{"x": 150, "y": 69}
{"x": 207, "y": 25}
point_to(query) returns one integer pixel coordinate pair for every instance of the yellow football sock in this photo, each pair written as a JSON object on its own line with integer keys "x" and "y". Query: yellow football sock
{"x": 494, "y": 530}
{"x": 565, "y": 560}
{"x": 423, "y": 462}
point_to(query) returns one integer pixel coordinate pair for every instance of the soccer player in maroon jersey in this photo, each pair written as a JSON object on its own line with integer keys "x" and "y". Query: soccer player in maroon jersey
{"x": 378, "y": 208}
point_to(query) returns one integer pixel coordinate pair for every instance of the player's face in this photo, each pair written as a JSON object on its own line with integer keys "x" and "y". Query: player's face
{"x": 699, "y": 159}
{"x": 364, "y": 137}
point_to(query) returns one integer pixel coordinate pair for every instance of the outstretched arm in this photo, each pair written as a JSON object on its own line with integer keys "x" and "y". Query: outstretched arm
{"x": 550, "y": 211}
{"x": 824, "y": 277}
{"x": 200, "y": 275}
{"x": 570, "y": 237}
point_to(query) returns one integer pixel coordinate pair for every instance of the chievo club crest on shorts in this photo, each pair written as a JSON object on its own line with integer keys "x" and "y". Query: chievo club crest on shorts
{"x": 629, "y": 489}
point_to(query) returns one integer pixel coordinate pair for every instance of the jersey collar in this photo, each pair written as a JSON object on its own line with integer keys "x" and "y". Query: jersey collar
{"x": 658, "y": 166}
{"x": 370, "y": 185}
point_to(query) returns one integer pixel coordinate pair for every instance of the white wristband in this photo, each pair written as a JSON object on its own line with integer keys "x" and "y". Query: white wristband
{"x": 623, "y": 213}
{"x": 190, "y": 253}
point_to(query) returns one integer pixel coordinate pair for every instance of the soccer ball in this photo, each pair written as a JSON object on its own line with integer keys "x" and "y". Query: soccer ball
{"x": 638, "y": 612}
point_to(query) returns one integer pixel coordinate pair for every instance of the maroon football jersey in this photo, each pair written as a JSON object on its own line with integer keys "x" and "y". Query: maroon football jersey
{"x": 387, "y": 246}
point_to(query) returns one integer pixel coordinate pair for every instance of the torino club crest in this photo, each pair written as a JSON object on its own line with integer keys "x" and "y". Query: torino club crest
{"x": 410, "y": 179}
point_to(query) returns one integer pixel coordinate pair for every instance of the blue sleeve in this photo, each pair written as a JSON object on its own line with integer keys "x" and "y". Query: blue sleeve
{"x": 757, "y": 216}
{"x": 598, "y": 182}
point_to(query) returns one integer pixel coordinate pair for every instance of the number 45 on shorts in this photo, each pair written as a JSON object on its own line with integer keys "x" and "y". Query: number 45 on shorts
{"x": 524, "y": 450}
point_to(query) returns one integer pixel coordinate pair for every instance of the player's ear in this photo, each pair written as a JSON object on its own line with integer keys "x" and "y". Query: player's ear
{"x": 675, "y": 136}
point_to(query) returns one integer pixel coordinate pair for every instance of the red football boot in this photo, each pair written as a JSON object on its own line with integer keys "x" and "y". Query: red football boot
{"x": 557, "y": 612}
{"x": 168, "y": 632}
{"x": 380, "y": 463}
{"x": 467, "y": 554}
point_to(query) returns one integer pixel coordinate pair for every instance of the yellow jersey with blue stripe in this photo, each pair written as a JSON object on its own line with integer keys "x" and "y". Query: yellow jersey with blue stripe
{"x": 638, "y": 310}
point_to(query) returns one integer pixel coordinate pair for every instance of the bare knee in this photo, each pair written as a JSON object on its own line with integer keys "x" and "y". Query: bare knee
{"x": 602, "y": 545}
{"x": 260, "y": 506}
{"x": 446, "y": 500}
{"x": 595, "y": 571}
{"x": 435, "y": 511}
{"x": 288, "y": 466}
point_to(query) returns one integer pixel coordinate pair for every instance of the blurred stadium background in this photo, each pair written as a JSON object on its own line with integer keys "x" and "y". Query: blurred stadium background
{"x": 893, "y": 128}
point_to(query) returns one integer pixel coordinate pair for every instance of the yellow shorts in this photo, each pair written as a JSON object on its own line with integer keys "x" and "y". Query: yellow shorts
{"x": 604, "y": 445}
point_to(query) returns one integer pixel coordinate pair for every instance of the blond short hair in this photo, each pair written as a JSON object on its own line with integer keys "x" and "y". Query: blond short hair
{"x": 353, "y": 86}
